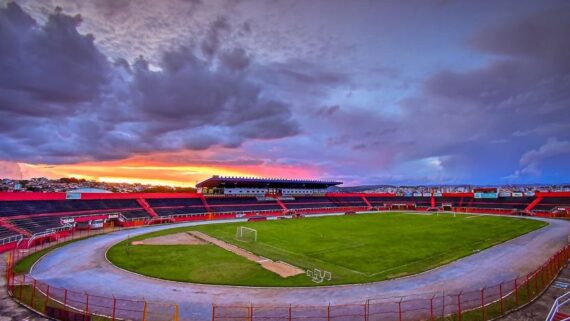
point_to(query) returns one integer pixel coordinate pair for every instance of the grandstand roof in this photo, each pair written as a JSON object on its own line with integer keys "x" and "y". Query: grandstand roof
{"x": 251, "y": 182}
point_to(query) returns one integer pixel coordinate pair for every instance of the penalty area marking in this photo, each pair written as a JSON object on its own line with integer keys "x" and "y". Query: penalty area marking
{"x": 312, "y": 259}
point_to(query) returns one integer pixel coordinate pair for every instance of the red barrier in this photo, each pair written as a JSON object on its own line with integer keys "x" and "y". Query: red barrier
{"x": 39, "y": 196}
{"x": 31, "y": 196}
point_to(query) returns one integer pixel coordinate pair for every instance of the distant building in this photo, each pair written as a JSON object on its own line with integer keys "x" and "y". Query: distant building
{"x": 88, "y": 190}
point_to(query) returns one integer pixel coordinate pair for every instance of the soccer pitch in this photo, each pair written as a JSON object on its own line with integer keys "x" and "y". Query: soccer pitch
{"x": 355, "y": 249}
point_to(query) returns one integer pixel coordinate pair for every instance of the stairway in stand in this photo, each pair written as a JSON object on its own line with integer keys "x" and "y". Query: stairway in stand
{"x": 143, "y": 203}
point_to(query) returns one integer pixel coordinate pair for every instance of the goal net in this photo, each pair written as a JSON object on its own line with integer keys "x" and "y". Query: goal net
{"x": 446, "y": 213}
{"x": 246, "y": 234}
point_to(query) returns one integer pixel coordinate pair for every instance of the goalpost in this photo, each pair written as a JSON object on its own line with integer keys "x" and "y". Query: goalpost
{"x": 446, "y": 212}
{"x": 246, "y": 234}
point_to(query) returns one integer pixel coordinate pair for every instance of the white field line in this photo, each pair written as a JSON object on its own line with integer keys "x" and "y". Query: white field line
{"x": 311, "y": 258}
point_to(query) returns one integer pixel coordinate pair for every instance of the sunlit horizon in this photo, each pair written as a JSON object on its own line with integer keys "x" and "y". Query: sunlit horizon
{"x": 165, "y": 175}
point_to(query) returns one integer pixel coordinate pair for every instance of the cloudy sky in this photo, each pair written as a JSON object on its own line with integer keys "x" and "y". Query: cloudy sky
{"x": 396, "y": 92}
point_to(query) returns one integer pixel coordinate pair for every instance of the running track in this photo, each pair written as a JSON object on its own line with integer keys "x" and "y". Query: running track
{"x": 81, "y": 266}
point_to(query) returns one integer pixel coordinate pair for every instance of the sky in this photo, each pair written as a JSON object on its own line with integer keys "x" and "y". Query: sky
{"x": 365, "y": 92}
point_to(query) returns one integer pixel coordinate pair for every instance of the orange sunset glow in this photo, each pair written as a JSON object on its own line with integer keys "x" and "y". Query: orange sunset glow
{"x": 156, "y": 173}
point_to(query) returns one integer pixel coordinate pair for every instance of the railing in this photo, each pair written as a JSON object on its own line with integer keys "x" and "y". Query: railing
{"x": 485, "y": 210}
{"x": 73, "y": 218}
{"x": 175, "y": 216}
{"x": 10, "y": 239}
{"x": 237, "y": 213}
{"x": 48, "y": 232}
{"x": 558, "y": 303}
{"x": 330, "y": 208}
{"x": 123, "y": 218}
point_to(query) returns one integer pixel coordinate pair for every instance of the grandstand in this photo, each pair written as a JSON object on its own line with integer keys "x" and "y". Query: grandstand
{"x": 42, "y": 216}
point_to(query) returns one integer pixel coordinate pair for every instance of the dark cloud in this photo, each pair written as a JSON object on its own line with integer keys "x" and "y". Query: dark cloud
{"x": 327, "y": 111}
{"x": 62, "y": 101}
{"x": 48, "y": 69}
{"x": 211, "y": 44}
{"x": 525, "y": 86}
{"x": 235, "y": 59}
{"x": 541, "y": 37}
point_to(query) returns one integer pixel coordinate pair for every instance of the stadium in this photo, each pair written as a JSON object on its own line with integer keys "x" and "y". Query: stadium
{"x": 292, "y": 160}
{"x": 282, "y": 249}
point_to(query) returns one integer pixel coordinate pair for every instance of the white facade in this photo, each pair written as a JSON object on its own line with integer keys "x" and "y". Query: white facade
{"x": 294, "y": 191}
{"x": 263, "y": 191}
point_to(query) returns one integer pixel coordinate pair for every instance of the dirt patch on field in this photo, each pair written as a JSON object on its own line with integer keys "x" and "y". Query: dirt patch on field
{"x": 172, "y": 239}
{"x": 282, "y": 269}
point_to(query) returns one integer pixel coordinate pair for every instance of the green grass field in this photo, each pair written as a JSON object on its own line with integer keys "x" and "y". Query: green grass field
{"x": 355, "y": 249}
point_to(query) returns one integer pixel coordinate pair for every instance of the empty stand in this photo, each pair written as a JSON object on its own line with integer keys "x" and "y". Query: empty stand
{"x": 37, "y": 224}
{"x": 347, "y": 201}
{"x": 551, "y": 203}
{"x": 241, "y": 204}
{"x": 39, "y": 216}
{"x": 176, "y": 206}
{"x": 15, "y": 208}
{"x": 389, "y": 200}
{"x": 309, "y": 202}
{"x": 454, "y": 201}
{"x": 134, "y": 214}
{"x": 378, "y": 201}
{"x": 518, "y": 203}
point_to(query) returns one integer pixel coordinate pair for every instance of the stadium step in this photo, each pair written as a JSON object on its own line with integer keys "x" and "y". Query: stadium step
{"x": 143, "y": 203}
{"x": 283, "y": 207}
{"x": 365, "y": 200}
{"x": 533, "y": 204}
{"x": 205, "y": 202}
{"x": 7, "y": 224}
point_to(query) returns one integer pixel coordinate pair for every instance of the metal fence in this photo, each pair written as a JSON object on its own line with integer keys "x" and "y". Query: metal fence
{"x": 65, "y": 304}
{"x": 474, "y": 304}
